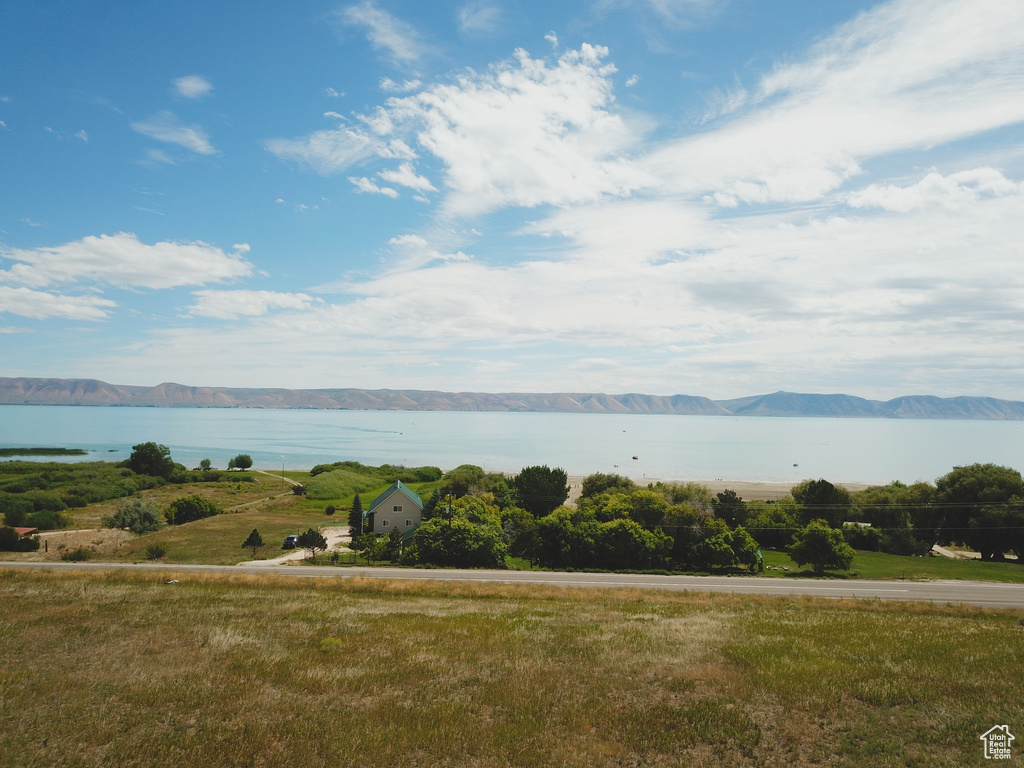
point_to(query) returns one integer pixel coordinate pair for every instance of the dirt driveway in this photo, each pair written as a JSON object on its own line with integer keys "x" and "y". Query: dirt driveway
{"x": 337, "y": 538}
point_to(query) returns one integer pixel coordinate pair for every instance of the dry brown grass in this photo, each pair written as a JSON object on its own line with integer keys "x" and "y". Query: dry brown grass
{"x": 123, "y": 669}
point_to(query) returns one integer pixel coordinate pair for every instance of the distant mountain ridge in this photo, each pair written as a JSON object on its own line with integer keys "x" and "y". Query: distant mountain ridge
{"x": 42, "y": 391}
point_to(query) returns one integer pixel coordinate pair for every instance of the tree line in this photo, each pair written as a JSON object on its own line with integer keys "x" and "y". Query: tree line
{"x": 475, "y": 519}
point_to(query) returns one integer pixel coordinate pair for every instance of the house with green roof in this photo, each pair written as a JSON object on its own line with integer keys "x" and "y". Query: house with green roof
{"x": 398, "y": 508}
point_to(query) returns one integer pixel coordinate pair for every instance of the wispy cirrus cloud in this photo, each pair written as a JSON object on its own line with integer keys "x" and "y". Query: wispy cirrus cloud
{"x": 479, "y": 17}
{"x": 230, "y": 305}
{"x": 397, "y": 39}
{"x": 165, "y": 126}
{"x": 329, "y": 151}
{"x": 906, "y": 75}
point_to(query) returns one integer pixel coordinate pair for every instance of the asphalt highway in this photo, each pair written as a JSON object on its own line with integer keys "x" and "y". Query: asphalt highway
{"x": 984, "y": 594}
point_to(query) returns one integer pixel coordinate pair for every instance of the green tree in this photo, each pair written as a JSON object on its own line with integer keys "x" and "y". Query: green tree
{"x": 312, "y": 541}
{"x": 137, "y": 515}
{"x": 456, "y": 543}
{"x": 567, "y": 538}
{"x": 599, "y": 483}
{"x": 744, "y": 547}
{"x": 462, "y": 480}
{"x": 241, "y": 461}
{"x": 541, "y": 490}
{"x": 820, "y": 500}
{"x": 393, "y": 546}
{"x": 151, "y": 459}
{"x": 355, "y": 517}
{"x": 627, "y": 545}
{"x": 255, "y": 541}
{"x": 963, "y": 496}
{"x": 730, "y": 507}
{"x": 772, "y": 523}
{"x": 821, "y": 546}
{"x": 190, "y": 508}
{"x": 647, "y": 508}
{"x": 519, "y": 530}
{"x": 716, "y": 551}
{"x": 205, "y": 464}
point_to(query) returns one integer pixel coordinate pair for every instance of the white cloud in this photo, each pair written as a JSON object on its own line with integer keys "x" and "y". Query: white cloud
{"x": 363, "y": 184}
{"x": 230, "y": 305}
{"x": 552, "y": 38}
{"x": 124, "y": 261}
{"x": 166, "y": 127}
{"x": 41, "y": 305}
{"x": 333, "y": 94}
{"x": 479, "y": 17}
{"x": 82, "y": 135}
{"x": 192, "y": 86}
{"x": 415, "y": 252}
{"x": 387, "y": 33}
{"x": 526, "y": 133}
{"x": 935, "y": 190}
{"x": 407, "y": 177}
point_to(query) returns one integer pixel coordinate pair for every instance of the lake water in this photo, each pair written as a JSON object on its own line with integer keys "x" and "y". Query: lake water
{"x": 666, "y": 447}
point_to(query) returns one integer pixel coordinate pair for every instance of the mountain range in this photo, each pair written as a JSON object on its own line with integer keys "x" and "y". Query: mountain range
{"x": 45, "y": 391}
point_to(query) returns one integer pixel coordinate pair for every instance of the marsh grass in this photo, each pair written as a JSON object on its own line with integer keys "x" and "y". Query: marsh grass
{"x": 124, "y": 669}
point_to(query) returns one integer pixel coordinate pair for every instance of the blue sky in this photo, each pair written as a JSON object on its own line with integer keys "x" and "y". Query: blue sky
{"x": 717, "y": 197}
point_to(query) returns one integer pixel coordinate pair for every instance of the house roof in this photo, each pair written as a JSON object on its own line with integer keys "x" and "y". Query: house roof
{"x": 399, "y": 486}
{"x": 25, "y": 531}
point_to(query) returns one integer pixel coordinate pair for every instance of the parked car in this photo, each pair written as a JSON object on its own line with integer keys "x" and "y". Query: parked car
{"x": 291, "y": 542}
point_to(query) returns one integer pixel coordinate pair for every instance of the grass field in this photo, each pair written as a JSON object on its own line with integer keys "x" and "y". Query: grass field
{"x": 123, "y": 669}
{"x": 878, "y": 565}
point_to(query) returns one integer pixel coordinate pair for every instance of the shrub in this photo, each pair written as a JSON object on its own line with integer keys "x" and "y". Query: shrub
{"x": 155, "y": 551}
{"x": 135, "y": 515}
{"x": 45, "y": 502}
{"x": 190, "y": 508}
{"x": 15, "y": 509}
{"x": 47, "y": 520}
{"x": 12, "y": 541}
{"x": 329, "y": 510}
{"x": 76, "y": 555}
{"x": 863, "y": 537}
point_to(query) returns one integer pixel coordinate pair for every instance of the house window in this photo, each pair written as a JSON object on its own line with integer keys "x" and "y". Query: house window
{"x": 398, "y": 508}
{"x": 408, "y": 523}
{"x": 385, "y": 523}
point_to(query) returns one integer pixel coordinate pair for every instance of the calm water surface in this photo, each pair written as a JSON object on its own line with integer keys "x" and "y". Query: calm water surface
{"x": 669, "y": 447}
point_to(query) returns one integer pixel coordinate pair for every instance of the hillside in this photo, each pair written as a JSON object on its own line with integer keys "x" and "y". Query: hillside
{"x": 43, "y": 391}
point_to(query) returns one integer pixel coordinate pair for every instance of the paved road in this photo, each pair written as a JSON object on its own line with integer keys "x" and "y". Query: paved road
{"x": 985, "y": 594}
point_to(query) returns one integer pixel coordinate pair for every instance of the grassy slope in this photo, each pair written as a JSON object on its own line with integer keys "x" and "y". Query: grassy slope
{"x": 123, "y": 669}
